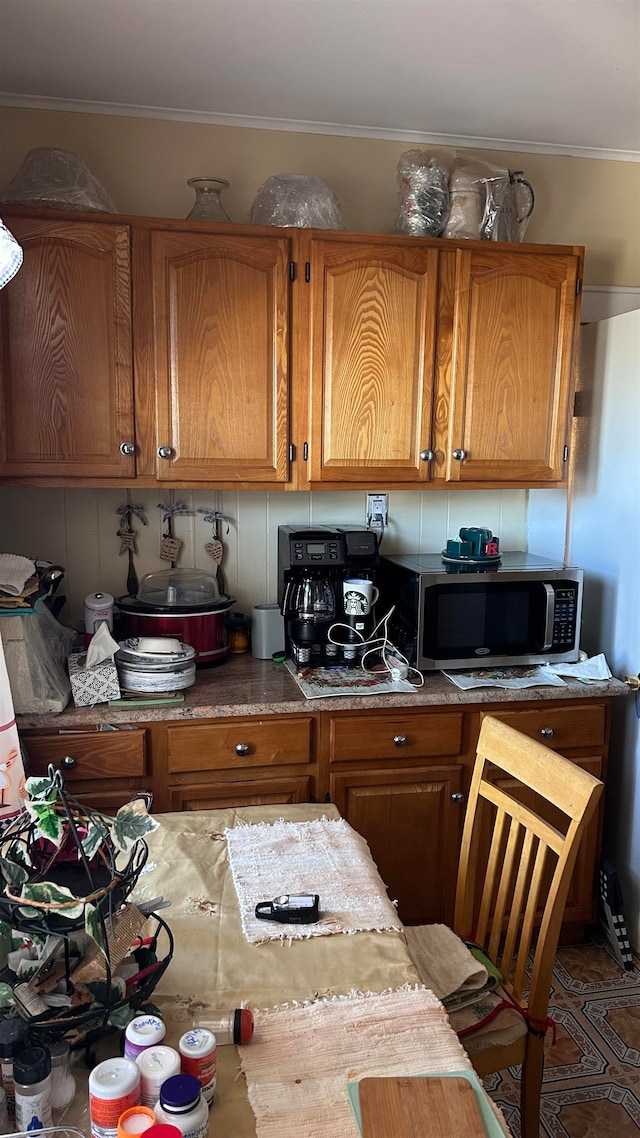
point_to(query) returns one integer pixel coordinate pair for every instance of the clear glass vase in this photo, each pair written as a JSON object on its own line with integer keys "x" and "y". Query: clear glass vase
{"x": 208, "y": 204}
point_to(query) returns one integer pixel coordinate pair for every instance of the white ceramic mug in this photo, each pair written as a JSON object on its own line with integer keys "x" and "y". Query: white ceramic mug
{"x": 359, "y": 596}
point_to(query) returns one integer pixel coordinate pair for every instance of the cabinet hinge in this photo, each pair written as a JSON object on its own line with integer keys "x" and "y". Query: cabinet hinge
{"x": 307, "y": 271}
{"x": 565, "y": 453}
{"x": 305, "y": 452}
{"x": 292, "y": 270}
{"x": 578, "y": 286}
{"x": 292, "y": 452}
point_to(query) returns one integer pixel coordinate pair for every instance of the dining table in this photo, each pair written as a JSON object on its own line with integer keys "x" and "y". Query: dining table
{"x": 332, "y": 1002}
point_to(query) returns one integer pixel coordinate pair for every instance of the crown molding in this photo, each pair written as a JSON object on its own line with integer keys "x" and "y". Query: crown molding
{"x": 301, "y": 126}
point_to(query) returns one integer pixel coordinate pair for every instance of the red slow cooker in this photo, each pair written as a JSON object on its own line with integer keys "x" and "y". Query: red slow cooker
{"x": 185, "y": 604}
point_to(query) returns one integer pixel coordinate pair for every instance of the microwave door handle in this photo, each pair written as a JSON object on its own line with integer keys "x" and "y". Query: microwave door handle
{"x": 548, "y": 620}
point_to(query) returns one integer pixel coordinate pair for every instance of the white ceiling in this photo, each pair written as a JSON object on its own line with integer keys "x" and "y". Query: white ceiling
{"x": 552, "y": 75}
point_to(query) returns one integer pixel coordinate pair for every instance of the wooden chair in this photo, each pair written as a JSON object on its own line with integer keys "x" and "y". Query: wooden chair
{"x": 513, "y": 878}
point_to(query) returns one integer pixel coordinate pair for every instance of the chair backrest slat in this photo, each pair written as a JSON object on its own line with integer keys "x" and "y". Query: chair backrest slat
{"x": 523, "y": 860}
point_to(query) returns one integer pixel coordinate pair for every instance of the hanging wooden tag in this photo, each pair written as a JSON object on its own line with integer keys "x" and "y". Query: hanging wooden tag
{"x": 127, "y": 540}
{"x": 215, "y": 550}
{"x": 170, "y": 548}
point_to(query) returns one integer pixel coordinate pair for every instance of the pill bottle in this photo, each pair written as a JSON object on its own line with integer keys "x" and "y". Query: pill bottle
{"x": 14, "y": 1034}
{"x": 181, "y": 1103}
{"x": 163, "y": 1130}
{"x": 135, "y": 1121}
{"x": 114, "y": 1086}
{"x": 198, "y": 1054}
{"x": 32, "y": 1086}
{"x": 156, "y": 1065}
{"x": 235, "y": 1026}
{"x": 143, "y": 1031}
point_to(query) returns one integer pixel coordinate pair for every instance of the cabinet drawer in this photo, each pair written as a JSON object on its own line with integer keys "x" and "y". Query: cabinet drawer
{"x": 94, "y": 755}
{"x": 560, "y": 727}
{"x": 395, "y": 736}
{"x": 233, "y": 745}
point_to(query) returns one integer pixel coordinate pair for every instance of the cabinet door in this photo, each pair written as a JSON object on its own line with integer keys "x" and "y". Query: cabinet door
{"x": 515, "y": 324}
{"x": 411, "y": 819}
{"x": 373, "y": 309}
{"x": 66, "y": 383}
{"x": 220, "y": 369}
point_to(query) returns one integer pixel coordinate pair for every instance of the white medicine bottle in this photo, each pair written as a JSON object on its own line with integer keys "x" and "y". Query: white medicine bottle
{"x": 181, "y": 1104}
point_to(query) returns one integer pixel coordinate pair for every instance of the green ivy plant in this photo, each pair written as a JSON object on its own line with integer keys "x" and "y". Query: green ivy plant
{"x": 97, "y": 832}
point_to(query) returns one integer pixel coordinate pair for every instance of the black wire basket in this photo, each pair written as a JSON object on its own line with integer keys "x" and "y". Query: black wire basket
{"x": 91, "y": 884}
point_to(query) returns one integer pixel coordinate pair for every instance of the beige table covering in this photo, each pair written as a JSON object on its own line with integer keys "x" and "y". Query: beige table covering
{"x": 214, "y": 966}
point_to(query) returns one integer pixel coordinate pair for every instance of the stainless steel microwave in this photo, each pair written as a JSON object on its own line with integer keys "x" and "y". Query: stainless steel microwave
{"x": 524, "y": 610}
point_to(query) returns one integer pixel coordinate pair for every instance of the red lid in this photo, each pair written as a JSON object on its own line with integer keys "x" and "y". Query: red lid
{"x": 164, "y": 1130}
{"x": 242, "y": 1025}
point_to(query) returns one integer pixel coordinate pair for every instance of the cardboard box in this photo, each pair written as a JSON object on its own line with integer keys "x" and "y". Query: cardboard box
{"x": 92, "y": 685}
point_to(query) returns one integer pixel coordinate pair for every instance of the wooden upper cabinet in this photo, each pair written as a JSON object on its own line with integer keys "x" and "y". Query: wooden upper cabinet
{"x": 372, "y": 312}
{"x": 514, "y": 330}
{"x": 219, "y": 356}
{"x": 66, "y": 379}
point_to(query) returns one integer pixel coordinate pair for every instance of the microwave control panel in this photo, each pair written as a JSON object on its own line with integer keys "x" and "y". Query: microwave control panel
{"x": 565, "y": 615}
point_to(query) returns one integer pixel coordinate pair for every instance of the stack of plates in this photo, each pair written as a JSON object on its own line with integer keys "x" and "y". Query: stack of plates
{"x": 155, "y": 664}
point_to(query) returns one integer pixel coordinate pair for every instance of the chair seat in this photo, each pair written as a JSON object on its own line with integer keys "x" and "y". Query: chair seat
{"x": 491, "y": 1022}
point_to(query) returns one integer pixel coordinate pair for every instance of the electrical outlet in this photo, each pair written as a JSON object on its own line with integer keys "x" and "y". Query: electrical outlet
{"x": 377, "y": 510}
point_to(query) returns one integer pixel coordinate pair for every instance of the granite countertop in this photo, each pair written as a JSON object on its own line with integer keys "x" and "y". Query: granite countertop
{"x": 242, "y": 685}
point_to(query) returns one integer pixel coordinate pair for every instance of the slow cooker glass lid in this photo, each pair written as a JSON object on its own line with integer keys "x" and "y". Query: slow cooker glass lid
{"x": 179, "y": 588}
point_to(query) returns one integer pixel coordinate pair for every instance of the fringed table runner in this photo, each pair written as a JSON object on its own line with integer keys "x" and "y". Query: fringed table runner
{"x": 322, "y": 856}
{"x": 301, "y": 1058}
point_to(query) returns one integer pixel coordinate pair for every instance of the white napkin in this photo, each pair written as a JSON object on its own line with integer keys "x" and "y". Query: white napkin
{"x": 589, "y": 671}
{"x": 14, "y": 573}
{"x": 101, "y": 647}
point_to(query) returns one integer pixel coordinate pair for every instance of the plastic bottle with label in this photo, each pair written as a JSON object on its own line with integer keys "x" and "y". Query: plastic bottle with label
{"x": 235, "y": 1026}
{"x": 114, "y": 1086}
{"x": 198, "y": 1053}
{"x": 156, "y": 1065}
{"x": 13, "y": 1039}
{"x": 182, "y": 1105}
{"x": 32, "y": 1085}
{"x": 143, "y": 1032}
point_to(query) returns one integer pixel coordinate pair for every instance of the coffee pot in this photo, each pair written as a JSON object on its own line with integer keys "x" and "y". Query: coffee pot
{"x": 309, "y": 607}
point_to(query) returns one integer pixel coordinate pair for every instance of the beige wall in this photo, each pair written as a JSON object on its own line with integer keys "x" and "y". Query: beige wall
{"x": 145, "y": 163}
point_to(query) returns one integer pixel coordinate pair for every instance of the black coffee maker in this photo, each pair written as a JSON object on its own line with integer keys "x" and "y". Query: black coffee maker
{"x": 312, "y": 565}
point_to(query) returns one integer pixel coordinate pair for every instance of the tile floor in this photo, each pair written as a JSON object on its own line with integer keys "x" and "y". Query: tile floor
{"x": 591, "y": 1086}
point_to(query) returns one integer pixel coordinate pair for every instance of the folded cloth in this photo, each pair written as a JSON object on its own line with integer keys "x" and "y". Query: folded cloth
{"x": 324, "y": 856}
{"x": 444, "y": 962}
{"x": 14, "y": 573}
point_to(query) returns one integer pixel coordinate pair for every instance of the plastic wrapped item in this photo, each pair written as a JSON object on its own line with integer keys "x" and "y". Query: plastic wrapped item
{"x": 296, "y": 200}
{"x": 487, "y": 202}
{"x": 58, "y": 179}
{"x": 423, "y": 194}
{"x": 36, "y": 647}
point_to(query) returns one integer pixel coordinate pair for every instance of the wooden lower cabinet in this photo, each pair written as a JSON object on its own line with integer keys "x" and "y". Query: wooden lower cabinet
{"x": 411, "y": 820}
{"x": 399, "y": 776}
{"x": 102, "y": 769}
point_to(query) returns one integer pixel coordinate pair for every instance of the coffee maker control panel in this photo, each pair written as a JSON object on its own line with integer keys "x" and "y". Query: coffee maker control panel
{"x": 310, "y": 551}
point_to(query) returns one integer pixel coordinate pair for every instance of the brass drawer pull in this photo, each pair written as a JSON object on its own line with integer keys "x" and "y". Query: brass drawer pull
{"x": 547, "y": 732}
{"x": 242, "y": 748}
{"x": 68, "y": 762}
{"x": 400, "y": 740}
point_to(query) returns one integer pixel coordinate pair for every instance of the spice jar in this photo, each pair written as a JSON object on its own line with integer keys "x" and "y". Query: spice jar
{"x": 32, "y": 1085}
{"x": 235, "y": 1026}
{"x": 13, "y": 1039}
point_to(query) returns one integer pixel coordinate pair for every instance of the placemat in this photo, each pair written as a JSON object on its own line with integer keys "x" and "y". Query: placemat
{"x": 318, "y": 683}
{"x": 301, "y": 1058}
{"x": 324, "y": 856}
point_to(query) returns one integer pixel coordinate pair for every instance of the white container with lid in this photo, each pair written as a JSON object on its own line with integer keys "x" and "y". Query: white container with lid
{"x": 156, "y": 1065}
{"x": 181, "y": 1104}
{"x": 114, "y": 1086}
{"x": 142, "y": 1032}
{"x": 198, "y": 1050}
